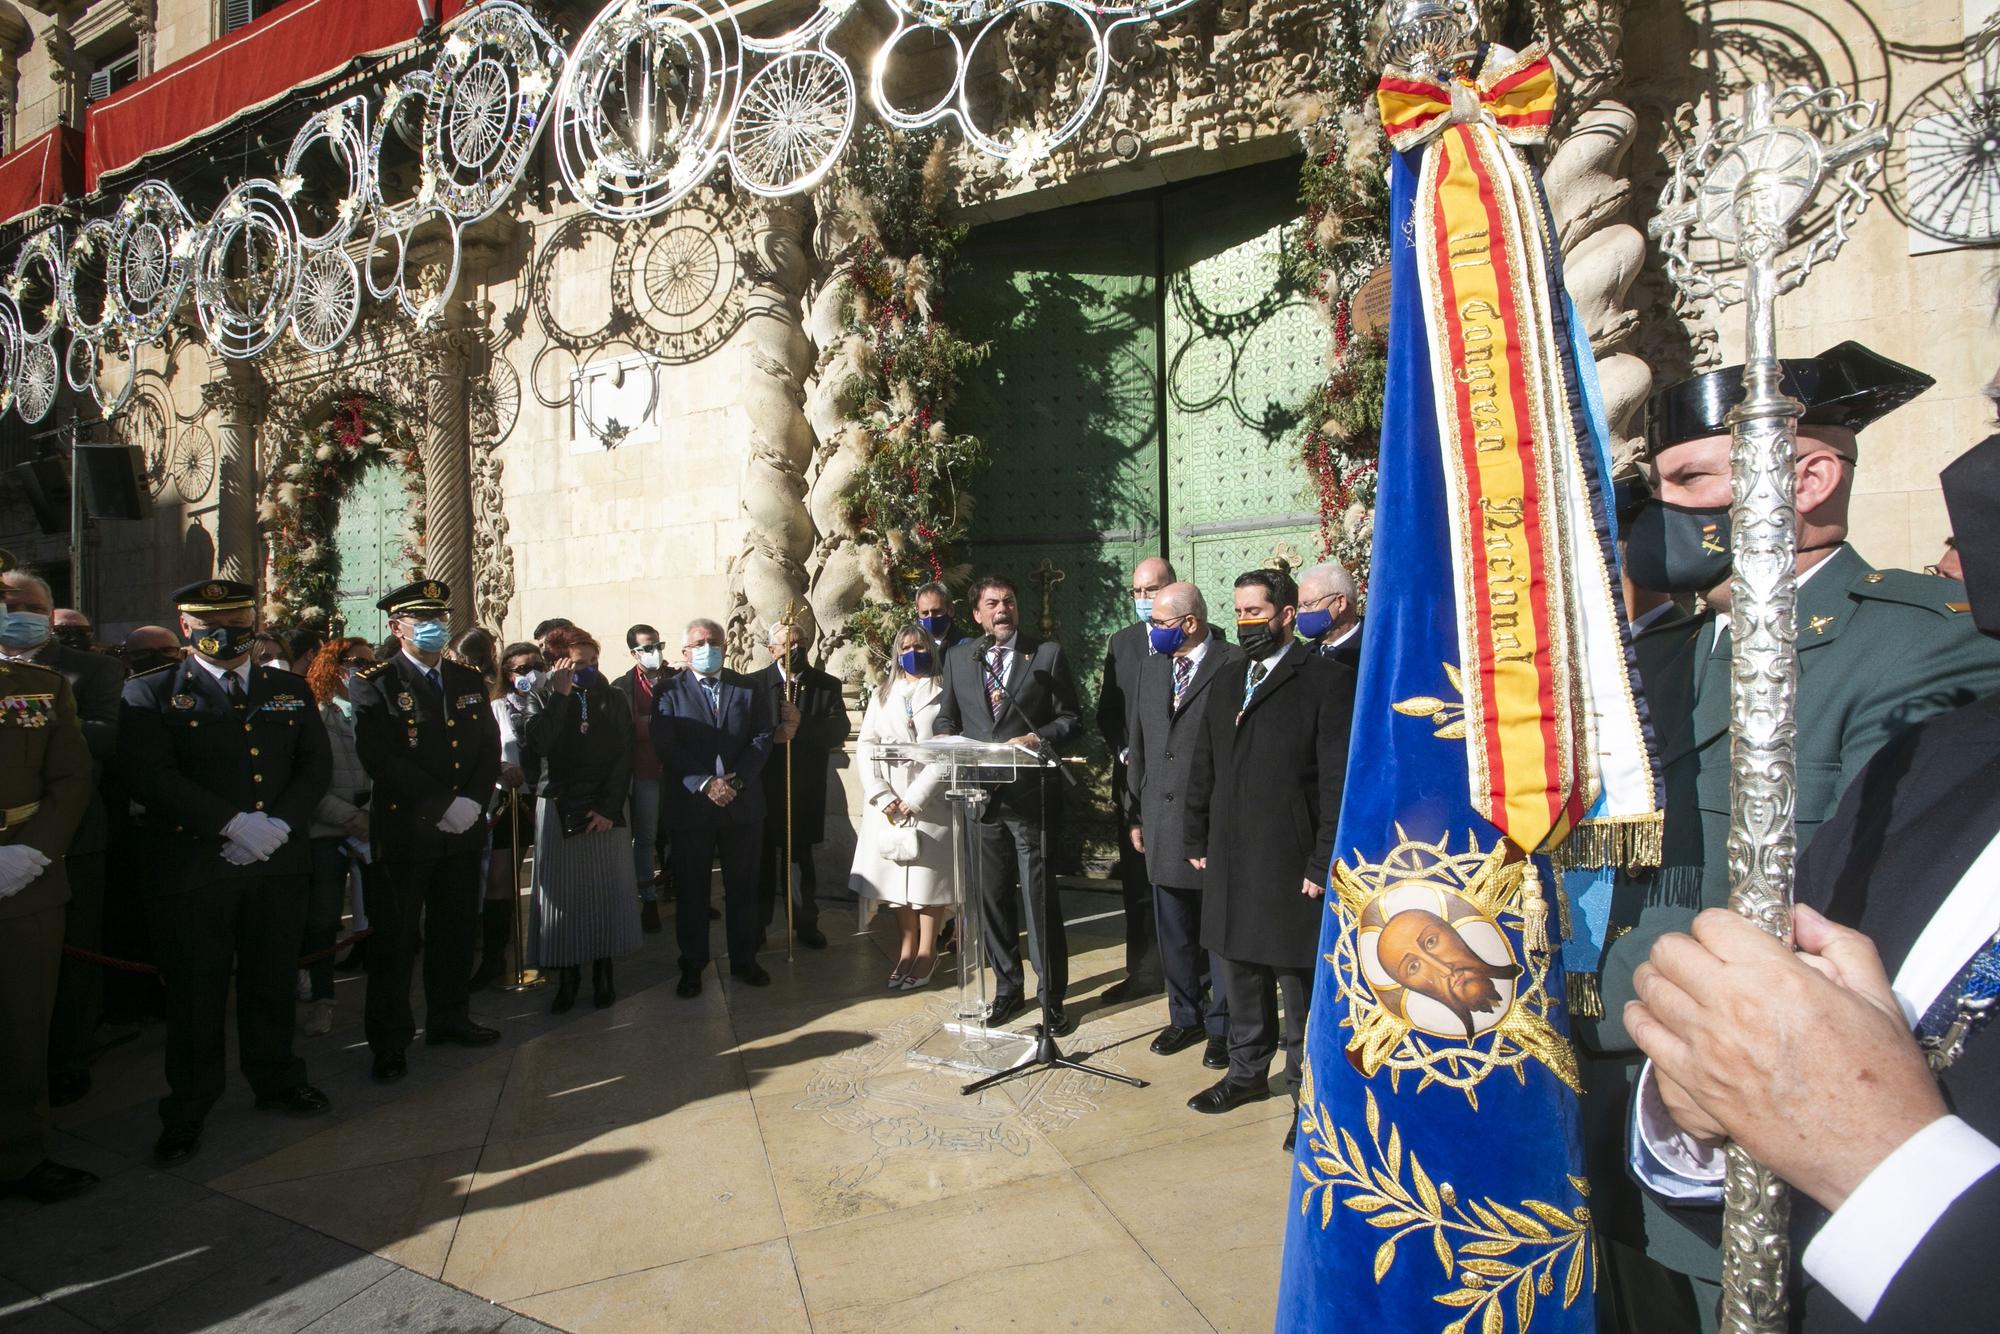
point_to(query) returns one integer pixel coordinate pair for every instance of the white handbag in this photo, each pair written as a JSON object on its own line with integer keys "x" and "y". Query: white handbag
{"x": 898, "y": 843}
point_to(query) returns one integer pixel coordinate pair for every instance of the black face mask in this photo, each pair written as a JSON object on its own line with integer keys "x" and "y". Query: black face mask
{"x": 1260, "y": 639}
{"x": 150, "y": 659}
{"x": 1675, "y": 549}
{"x": 224, "y": 643}
{"x": 72, "y": 636}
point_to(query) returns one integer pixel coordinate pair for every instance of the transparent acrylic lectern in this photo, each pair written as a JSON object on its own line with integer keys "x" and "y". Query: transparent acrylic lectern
{"x": 975, "y": 768}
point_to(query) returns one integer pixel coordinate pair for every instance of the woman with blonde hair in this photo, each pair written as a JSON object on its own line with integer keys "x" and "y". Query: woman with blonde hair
{"x": 902, "y": 858}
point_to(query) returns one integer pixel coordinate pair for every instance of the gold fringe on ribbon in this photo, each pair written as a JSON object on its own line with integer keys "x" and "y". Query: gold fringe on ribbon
{"x": 1630, "y": 841}
{"x": 1534, "y": 912}
{"x": 1586, "y": 1001}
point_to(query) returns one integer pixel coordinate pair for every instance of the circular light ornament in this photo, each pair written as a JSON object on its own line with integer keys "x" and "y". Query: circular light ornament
{"x": 247, "y": 272}
{"x": 794, "y": 121}
{"x": 488, "y": 102}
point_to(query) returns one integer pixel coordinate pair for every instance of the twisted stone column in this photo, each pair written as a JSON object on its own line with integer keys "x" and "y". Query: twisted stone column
{"x": 446, "y": 449}
{"x": 767, "y": 578}
{"x": 235, "y": 393}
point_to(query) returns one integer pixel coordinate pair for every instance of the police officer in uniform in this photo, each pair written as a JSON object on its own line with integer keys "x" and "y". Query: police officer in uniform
{"x": 427, "y": 737}
{"x": 228, "y": 761}
{"x": 1878, "y": 651}
{"x": 45, "y": 785}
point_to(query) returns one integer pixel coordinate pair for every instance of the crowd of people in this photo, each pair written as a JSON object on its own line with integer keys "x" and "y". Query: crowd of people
{"x": 217, "y": 810}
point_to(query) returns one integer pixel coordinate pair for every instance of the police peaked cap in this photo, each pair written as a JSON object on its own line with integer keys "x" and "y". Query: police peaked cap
{"x": 418, "y": 595}
{"x": 1847, "y": 385}
{"x": 205, "y": 595}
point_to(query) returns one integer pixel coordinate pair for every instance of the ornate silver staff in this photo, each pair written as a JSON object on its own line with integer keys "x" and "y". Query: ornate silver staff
{"x": 1743, "y": 185}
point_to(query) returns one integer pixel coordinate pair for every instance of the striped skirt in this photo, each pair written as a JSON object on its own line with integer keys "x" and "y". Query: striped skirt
{"x": 586, "y": 902}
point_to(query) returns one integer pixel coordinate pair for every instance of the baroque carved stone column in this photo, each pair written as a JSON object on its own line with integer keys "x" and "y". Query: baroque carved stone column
{"x": 235, "y": 393}
{"x": 449, "y": 352}
{"x": 13, "y": 36}
{"x": 768, "y": 575}
{"x": 492, "y": 557}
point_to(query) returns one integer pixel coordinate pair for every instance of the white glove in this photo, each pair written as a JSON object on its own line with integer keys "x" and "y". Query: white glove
{"x": 237, "y": 855}
{"x": 460, "y": 815}
{"x": 258, "y": 833}
{"x": 19, "y": 865}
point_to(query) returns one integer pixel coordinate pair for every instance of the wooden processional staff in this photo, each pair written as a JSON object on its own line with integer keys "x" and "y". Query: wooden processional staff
{"x": 1744, "y": 188}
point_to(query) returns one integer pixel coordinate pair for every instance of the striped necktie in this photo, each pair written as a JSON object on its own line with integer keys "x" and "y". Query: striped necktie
{"x": 996, "y": 681}
{"x": 1258, "y": 671}
{"x": 1183, "y": 673}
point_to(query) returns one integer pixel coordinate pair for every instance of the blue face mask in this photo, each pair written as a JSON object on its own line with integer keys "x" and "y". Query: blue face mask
{"x": 24, "y": 629}
{"x": 706, "y": 659}
{"x": 915, "y": 661}
{"x": 527, "y": 682}
{"x": 1167, "y": 638}
{"x": 938, "y": 626}
{"x": 586, "y": 676}
{"x": 430, "y": 636}
{"x": 1143, "y": 608}
{"x": 1313, "y": 624}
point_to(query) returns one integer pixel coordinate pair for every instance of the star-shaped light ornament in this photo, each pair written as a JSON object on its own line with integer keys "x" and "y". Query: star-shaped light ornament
{"x": 186, "y": 244}
{"x": 536, "y": 82}
{"x": 457, "y": 47}
{"x": 83, "y": 246}
{"x": 289, "y": 186}
{"x": 335, "y": 123}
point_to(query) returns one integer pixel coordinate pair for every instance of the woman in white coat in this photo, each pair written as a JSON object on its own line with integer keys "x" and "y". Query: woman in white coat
{"x": 902, "y": 858}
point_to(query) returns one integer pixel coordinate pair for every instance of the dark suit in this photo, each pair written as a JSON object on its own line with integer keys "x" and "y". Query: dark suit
{"x": 45, "y": 764}
{"x": 195, "y": 763}
{"x": 423, "y": 748}
{"x": 1347, "y": 653}
{"x": 695, "y": 743}
{"x": 1039, "y": 696}
{"x": 97, "y": 682}
{"x": 822, "y": 730}
{"x": 1125, "y": 658}
{"x": 1263, "y": 802}
{"x": 1163, "y": 749}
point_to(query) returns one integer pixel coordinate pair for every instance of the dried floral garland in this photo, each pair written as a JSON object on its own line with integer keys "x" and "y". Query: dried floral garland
{"x": 907, "y": 498}
{"x": 301, "y": 505}
{"x": 1341, "y": 241}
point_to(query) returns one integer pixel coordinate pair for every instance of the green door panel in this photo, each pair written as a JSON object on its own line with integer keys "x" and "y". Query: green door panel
{"x": 1244, "y": 349}
{"x": 368, "y": 535}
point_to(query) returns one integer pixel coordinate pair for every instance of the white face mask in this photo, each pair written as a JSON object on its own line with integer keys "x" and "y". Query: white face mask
{"x": 279, "y": 664}
{"x": 649, "y": 658}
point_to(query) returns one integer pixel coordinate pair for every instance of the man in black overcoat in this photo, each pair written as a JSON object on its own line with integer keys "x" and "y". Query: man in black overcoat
{"x": 812, "y": 721}
{"x": 1125, "y": 656}
{"x": 1262, "y": 806}
{"x": 1007, "y": 686}
{"x": 229, "y": 762}
{"x": 425, "y": 731}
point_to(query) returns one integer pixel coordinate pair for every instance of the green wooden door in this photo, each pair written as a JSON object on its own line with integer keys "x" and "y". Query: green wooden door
{"x": 369, "y": 538}
{"x": 1244, "y": 350}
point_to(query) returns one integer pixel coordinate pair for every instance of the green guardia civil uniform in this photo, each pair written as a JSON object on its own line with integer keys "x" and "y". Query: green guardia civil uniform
{"x": 1878, "y": 651}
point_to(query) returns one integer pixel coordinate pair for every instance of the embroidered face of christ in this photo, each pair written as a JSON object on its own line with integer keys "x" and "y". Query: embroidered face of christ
{"x": 1424, "y": 953}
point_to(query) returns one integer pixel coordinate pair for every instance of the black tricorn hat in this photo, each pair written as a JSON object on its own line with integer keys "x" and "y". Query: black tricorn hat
{"x": 417, "y": 595}
{"x": 1972, "y": 497}
{"x": 1847, "y": 385}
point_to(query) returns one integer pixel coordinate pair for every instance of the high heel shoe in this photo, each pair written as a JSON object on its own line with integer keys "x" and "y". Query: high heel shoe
{"x": 897, "y": 976}
{"x": 914, "y": 981}
{"x": 601, "y": 990}
{"x": 569, "y": 978}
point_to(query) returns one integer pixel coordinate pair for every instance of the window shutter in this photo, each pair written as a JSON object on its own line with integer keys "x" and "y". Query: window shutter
{"x": 100, "y": 85}
{"x": 236, "y": 13}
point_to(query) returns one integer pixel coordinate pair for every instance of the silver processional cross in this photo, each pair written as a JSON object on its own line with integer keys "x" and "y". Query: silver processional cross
{"x": 1744, "y": 185}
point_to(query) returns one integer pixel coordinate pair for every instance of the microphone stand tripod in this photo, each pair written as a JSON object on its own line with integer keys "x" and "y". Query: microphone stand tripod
{"x": 1045, "y": 1053}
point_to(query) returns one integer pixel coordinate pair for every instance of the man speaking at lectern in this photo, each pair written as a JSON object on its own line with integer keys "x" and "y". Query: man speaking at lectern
{"x": 1004, "y": 685}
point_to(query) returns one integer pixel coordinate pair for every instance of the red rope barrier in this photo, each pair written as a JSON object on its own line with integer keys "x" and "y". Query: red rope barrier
{"x": 130, "y": 966}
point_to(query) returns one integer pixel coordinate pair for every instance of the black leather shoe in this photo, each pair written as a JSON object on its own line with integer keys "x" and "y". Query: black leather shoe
{"x": 751, "y": 974}
{"x": 649, "y": 917}
{"x": 1003, "y": 1009}
{"x": 389, "y": 1067}
{"x": 177, "y": 1144}
{"x": 1227, "y": 1097}
{"x": 1216, "y": 1054}
{"x": 66, "y": 1088}
{"x": 305, "y": 1100}
{"x": 690, "y": 984}
{"x": 1131, "y": 989}
{"x": 567, "y": 981}
{"x": 811, "y": 937}
{"x": 1061, "y": 1023}
{"x": 1171, "y": 1040}
{"x": 49, "y": 1182}
{"x": 466, "y": 1034}
{"x": 1292, "y": 1136}
{"x": 602, "y": 992}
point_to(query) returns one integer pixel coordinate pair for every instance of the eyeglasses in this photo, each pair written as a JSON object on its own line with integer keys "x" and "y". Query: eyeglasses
{"x": 1167, "y": 624}
{"x": 1934, "y": 571}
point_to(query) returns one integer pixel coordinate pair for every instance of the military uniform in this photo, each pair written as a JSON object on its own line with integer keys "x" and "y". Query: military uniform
{"x": 44, "y": 789}
{"x": 425, "y": 743}
{"x": 1878, "y": 651}
{"x": 196, "y": 759}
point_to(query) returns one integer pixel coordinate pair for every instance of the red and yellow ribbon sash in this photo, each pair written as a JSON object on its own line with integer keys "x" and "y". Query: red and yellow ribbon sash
{"x": 1517, "y": 99}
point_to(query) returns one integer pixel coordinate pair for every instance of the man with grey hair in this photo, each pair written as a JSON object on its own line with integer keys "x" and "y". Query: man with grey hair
{"x": 1187, "y": 655}
{"x": 712, "y": 731}
{"x": 97, "y": 683}
{"x": 1124, "y": 656}
{"x": 1330, "y": 612}
{"x": 812, "y": 725}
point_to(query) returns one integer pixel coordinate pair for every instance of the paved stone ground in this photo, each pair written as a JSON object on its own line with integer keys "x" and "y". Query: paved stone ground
{"x": 758, "y": 1158}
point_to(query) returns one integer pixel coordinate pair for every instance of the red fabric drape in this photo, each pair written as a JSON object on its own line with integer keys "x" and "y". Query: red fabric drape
{"x": 303, "y": 42}
{"x": 45, "y": 170}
